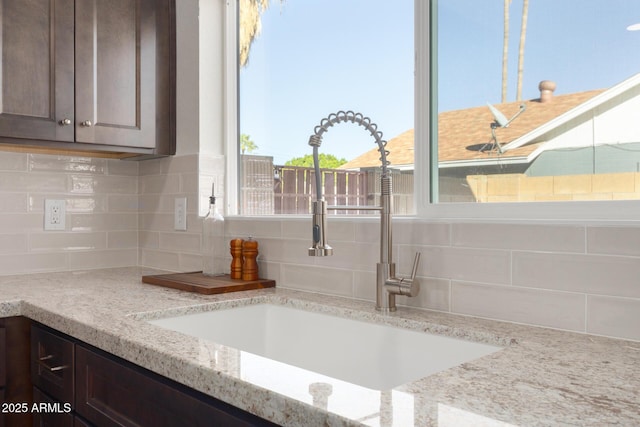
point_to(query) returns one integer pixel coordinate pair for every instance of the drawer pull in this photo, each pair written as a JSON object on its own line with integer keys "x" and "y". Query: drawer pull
{"x": 51, "y": 368}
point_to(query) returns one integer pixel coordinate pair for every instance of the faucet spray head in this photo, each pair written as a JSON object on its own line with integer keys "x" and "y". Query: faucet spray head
{"x": 320, "y": 247}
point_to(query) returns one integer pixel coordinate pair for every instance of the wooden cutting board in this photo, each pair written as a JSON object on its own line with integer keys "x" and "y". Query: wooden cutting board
{"x": 198, "y": 282}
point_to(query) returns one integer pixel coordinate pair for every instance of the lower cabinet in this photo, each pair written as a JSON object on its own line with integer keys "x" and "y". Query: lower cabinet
{"x": 15, "y": 381}
{"x": 109, "y": 391}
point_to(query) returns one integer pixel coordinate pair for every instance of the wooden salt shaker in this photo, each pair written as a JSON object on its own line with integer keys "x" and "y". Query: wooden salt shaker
{"x": 236, "y": 258}
{"x": 249, "y": 254}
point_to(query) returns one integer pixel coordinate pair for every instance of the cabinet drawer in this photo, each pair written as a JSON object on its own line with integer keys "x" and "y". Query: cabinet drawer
{"x": 52, "y": 364}
{"x": 54, "y": 416}
{"x": 112, "y": 392}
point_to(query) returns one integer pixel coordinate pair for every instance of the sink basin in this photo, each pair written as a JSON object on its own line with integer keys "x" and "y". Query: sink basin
{"x": 371, "y": 355}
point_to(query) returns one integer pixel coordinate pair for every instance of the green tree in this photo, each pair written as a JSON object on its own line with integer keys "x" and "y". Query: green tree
{"x": 246, "y": 144}
{"x": 327, "y": 161}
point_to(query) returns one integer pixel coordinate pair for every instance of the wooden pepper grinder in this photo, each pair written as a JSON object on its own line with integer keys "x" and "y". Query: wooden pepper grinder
{"x": 236, "y": 258}
{"x": 249, "y": 254}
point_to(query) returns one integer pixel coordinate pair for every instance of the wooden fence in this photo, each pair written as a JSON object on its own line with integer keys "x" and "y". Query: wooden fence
{"x": 268, "y": 189}
{"x": 296, "y": 189}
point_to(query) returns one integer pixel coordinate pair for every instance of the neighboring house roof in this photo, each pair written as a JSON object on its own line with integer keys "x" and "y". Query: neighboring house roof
{"x": 464, "y": 136}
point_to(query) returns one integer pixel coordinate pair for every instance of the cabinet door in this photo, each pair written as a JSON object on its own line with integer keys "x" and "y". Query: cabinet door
{"x": 15, "y": 332}
{"x": 3, "y": 356}
{"x": 116, "y": 72}
{"x": 36, "y": 69}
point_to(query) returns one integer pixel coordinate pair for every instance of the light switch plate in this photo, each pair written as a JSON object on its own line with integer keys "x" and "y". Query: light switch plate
{"x": 180, "y": 214}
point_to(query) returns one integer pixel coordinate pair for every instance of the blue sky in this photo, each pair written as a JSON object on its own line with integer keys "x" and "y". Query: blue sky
{"x": 579, "y": 44}
{"x": 315, "y": 57}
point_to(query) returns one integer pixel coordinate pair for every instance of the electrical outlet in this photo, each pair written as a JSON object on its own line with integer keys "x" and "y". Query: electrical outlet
{"x": 180, "y": 214}
{"x": 54, "y": 214}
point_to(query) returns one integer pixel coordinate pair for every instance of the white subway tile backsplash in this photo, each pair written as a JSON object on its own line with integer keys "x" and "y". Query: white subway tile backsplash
{"x": 122, "y": 239}
{"x": 120, "y": 167}
{"x": 12, "y": 243}
{"x": 410, "y": 232}
{"x": 102, "y": 222}
{"x": 120, "y": 213}
{"x": 21, "y": 222}
{"x": 180, "y": 242}
{"x": 103, "y": 259}
{"x": 614, "y": 240}
{"x": 190, "y": 262}
{"x": 13, "y": 161}
{"x": 156, "y": 222}
{"x": 67, "y": 241}
{"x": 14, "y": 202}
{"x": 162, "y": 260}
{"x": 350, "y": 255}
{"x": 562, "y": 310}
{"x": 115, "y": 184}
{"x": 610, "y": 316}
{"x": 269, "y": 270}
{"x": 434, "y": 294}
{"x": 519, "y": 236}
{"x": 90, "y": 204}
{"x": 272, "y": 250}
{"x": 148, "y": 239}
{"x": 367, "y": 231}
{"x": 48, "y": 182}
{"x": 244, "y": 228}
{"x": 150, "y": 167}
{"x": 180, "y": 165}
{"x": 591, "y": 274}
{"x": 318, "y": 279}
{"x": 364, "y": 285}
{"x": 66, "y": 164}
{"x": 17, "y": 263}
{"x": 154, "y": 203}
{"x": 123, "y": 203}
{"x": 337, "y": 230}
{"x": 300, "y": 229}
{"x": 479, "y": 265}
{"x": 24, "y": 182}
{"x": 189, "y": 181}
{"x": 296, "y": 252}
{"x": 157, "y": 184}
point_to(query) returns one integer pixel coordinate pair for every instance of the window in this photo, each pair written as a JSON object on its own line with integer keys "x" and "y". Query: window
{"x": 476, "y": 152}
{"x": 536, "y": 101}
{"x": 301, "y": 61}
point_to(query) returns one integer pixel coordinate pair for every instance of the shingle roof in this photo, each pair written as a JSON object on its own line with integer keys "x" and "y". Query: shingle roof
{"x": 461, "y": 133}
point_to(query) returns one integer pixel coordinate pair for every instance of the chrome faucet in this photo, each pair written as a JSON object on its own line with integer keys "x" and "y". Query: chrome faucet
{"x": 387, "y": 284}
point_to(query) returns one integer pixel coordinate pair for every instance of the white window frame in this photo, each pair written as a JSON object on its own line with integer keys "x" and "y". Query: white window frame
{"x": 622, "y": 211}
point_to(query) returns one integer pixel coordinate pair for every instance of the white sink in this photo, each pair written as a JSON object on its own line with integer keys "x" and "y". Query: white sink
{"x": 371, "y": 355}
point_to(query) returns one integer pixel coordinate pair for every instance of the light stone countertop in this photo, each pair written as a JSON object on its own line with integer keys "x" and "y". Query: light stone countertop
{"x": 541, "y": 377}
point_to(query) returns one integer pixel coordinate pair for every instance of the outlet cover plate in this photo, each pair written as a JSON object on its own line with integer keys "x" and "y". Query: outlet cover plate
{"x": 54, "y": 214}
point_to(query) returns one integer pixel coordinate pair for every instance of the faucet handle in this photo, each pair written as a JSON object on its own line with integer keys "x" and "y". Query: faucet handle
{"x": 416, "y": 261}
{"x": 403, "y": 285}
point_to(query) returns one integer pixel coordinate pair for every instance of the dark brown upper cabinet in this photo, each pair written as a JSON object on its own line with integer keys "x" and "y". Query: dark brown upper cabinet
{"x": 88, "y": 76}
